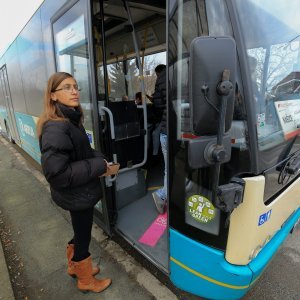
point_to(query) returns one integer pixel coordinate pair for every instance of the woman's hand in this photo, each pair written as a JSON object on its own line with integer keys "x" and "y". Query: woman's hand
{"x": 150, "y": 98}
{"x": 111, "y": 168}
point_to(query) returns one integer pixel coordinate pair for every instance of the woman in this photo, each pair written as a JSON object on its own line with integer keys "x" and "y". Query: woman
{"x": 72, "y": 168}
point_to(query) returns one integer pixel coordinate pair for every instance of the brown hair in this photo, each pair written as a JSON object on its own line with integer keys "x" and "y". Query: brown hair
{"x": 51, "y": 111}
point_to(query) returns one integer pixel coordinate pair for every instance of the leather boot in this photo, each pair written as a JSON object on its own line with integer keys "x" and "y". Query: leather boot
{"x": 71, "y": 270}
{"x": 85, "y": 280}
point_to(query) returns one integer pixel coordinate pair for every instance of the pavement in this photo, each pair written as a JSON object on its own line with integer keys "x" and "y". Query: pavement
{"x": 6, "y": 291}
{"x": 34, "y": 233}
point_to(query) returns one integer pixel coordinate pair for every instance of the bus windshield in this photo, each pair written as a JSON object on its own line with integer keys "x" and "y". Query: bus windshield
{"x": 272, "y": 38}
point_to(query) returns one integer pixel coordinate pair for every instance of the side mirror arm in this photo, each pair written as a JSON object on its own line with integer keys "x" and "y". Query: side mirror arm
{"x": 224, "y": 88}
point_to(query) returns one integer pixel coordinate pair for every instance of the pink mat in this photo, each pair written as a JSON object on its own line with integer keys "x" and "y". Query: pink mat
{"x": 152, "y": 235}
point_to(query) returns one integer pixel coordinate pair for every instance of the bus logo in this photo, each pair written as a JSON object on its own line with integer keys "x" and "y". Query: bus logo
{"x": 264, "y": 217}
{"x": 26, "y": 129}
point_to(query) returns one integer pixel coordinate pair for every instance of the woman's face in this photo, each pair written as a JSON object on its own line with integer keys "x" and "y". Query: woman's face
{"x": 67, "y": 93}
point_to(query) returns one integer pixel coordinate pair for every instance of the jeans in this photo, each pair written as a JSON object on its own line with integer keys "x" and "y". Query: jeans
{"x": 155, "y": 138}
{"x": 163, "y": 192}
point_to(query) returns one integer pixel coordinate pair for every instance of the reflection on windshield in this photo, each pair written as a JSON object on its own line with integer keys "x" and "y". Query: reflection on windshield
{"x": 124, "y": 77}
{"x": 272, "y": 38}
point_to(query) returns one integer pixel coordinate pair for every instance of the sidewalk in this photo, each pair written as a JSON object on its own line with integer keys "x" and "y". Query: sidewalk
{"x": 40, "y": 231}
{"x": 6, "y": 292}
{"x": 37, "y": 232}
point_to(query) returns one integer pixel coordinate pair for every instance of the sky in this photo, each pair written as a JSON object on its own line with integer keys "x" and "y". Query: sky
{"x": 14, "y": 14}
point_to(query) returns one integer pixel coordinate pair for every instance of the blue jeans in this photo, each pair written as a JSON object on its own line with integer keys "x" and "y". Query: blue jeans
{"x": 149, "y": 130}
{"x": 163, "y": 192}
{"x": 155, "y": 138}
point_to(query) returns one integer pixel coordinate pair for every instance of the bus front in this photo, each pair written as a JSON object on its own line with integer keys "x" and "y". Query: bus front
{"x": 233, "y": 168}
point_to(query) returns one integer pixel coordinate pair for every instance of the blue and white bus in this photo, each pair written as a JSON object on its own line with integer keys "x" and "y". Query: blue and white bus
{"x": 233, "y": 110}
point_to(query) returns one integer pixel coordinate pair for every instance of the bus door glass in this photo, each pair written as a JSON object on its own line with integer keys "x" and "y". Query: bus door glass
{"x": 198, "y": 223}
{"x": 125, "y": 67}
{"x": 70, "y": 35}
{"x": 10, "y": 122}
{"x": 191, "y": 212}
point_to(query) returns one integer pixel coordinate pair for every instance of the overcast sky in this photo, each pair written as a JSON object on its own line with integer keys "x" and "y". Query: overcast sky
{"x": 14, "y": 14}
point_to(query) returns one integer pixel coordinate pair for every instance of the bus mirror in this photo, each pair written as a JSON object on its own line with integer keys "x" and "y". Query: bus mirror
{"x": 209, "y": 58}
{"x": 211, "y": 89}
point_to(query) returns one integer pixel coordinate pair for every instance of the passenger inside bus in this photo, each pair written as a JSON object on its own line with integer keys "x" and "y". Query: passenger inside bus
{"x": 125, "y": 98}
{"x": 160, "y": 105}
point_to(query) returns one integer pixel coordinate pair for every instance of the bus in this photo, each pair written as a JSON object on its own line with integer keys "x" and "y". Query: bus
{"x": 233, "y": 116}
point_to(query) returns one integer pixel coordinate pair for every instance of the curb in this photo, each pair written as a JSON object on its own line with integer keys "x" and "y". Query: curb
{"x": 6, "y": 291}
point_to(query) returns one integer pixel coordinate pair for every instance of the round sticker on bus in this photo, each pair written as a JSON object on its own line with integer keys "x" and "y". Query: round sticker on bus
{"x": 200, "y": 208}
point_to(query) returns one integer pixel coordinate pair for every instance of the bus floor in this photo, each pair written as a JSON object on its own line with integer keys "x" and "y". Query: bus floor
{"x": 141, "y": 224}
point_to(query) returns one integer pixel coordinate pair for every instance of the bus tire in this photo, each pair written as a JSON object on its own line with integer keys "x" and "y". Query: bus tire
{"x": 8, "y": 134}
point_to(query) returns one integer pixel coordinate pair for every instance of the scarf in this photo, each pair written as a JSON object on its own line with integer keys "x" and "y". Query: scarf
{"x": 73, "y": 114}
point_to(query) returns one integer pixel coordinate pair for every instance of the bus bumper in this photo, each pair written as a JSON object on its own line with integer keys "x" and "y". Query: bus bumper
{"x": 203, "y": 271}
{"x": 258, "y": 264}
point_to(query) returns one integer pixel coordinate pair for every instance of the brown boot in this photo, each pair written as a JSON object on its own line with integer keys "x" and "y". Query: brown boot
{"x": 85, "y": 280}
{"x": 71, "y": 270}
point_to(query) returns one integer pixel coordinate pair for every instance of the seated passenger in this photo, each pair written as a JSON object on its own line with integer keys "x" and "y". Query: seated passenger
{"x": 138, "y": 98}
{"x": 125, "y": 98}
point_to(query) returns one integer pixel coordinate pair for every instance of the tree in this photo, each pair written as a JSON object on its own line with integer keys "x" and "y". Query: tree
{"x": 117, "y": 80}
{"x": 273, "y": 63}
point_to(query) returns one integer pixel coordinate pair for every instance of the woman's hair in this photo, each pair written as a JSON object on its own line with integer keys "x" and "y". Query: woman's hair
{"x": 51, "y": 111}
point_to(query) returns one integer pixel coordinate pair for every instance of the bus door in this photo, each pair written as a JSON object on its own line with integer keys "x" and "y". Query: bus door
{"x": 72, "y": 54}
{"x": 200, "y": 114}
{"x": 233, "y": 141}
{"x": 9, "y": 122}
{"x": 130, "y": 41}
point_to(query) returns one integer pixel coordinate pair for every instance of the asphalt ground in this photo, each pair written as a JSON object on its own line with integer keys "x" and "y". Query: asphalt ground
{"x": 34, "y": 232}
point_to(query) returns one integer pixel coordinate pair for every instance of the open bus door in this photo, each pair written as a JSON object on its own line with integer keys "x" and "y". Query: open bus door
{"x": 72, "y": 45}
{"x": 130, "y": 41}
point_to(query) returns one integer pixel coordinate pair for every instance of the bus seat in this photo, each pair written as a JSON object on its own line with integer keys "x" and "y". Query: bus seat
{"x": 126, "y": 119}
{"x": 128, "y": 133}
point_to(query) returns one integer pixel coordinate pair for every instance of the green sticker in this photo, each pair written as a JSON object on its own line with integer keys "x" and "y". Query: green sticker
{"x": 200, "y": 208}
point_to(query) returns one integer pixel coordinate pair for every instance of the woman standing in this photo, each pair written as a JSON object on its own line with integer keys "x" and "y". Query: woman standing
{"x": 72, "y": 168}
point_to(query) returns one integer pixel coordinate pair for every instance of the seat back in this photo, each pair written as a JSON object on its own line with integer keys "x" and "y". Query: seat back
{"x": 128, "y": 134}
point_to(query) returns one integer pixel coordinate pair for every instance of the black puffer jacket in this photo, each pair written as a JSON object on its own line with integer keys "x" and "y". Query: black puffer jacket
{"x": 160, "y": 100}
{"x": 69, "y": 163}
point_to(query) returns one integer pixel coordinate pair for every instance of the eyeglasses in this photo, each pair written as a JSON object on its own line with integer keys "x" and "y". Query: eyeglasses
{"x": 68, "y": 88}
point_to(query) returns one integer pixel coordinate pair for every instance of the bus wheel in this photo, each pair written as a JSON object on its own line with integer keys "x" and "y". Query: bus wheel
{"x": 8, "y": 134}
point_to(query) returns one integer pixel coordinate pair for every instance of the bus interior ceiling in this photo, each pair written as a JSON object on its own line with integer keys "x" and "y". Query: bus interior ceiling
{"x": 135, "y": 207}
{"x": 149, "y": 24}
